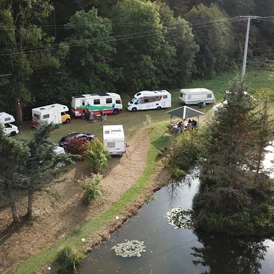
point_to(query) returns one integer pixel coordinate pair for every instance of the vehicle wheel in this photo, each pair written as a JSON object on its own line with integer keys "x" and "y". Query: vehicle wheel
{"x": 67, "y": 121}
{"x": 134, "y": 109}
{"x": 158, "y": 107}
{"x": 13, "y": 133}
{"x": 116, "y": 111}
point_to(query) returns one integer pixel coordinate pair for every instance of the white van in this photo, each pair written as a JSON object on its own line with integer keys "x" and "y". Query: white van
{"x": 114, "y": 139}
{"x": 144, "y": 100}
{"x": 194, "y": 96}
{"x": 6, "y": 121}
{"x": 55, "y": 113}
{"x": 108, "y": 103}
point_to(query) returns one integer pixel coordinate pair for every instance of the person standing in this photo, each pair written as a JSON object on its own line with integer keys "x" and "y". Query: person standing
{"x": 87, "y": 114}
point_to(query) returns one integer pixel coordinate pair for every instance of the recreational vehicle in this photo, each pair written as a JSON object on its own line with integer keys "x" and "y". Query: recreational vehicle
{"x": 108, "y": 103}
{"x": 55, "y": 113}
{"x": 114, "y": 139}
{"x": 144, "y": 100}
{"x": 6, "y": 121}
{"x": 194, "y": 96}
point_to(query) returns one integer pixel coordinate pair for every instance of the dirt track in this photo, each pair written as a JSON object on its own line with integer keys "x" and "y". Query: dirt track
{"x": 59, "y": 209}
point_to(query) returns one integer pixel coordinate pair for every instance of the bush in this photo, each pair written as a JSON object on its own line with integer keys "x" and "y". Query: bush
{"x": 97, "y": 155}
{"x": 68, "y": 259}
{"x": 92, "y": 189}
{"x": 78, "y": 147}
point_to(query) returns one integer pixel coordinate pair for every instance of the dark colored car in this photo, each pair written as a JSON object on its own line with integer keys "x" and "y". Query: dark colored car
{"x": 66, "y": 139}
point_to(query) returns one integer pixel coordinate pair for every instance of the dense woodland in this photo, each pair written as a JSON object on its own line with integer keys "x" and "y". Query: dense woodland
{"x": 51, "y": 49}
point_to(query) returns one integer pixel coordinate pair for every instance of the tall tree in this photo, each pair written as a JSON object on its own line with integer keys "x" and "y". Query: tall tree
{"x": 235, "y": 194}
{"x": 42, "y": 162}
{"x": 142, "y": 51}
{"x": 180, "y": 36}
{"x": 29, "y": 46}
{"x": 213, "y": 33}
{"x": 12, "y": 163}
{"x": 91, "y": 51}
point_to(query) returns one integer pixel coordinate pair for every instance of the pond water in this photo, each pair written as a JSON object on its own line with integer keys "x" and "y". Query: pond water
{"x": 170, "y": 250}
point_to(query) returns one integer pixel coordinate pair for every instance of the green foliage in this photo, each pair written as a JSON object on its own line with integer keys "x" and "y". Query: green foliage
{"x": 92, "y": 189}
{"x": 235, "y": 194}
{"x": 184, "y": 152}
{"x": 143, "y": 53}
{"x": 68, "y": 259}
{"x": 97, "y": 155}
{"x": 92, "y": 49}
{"x": 215, "y": 54}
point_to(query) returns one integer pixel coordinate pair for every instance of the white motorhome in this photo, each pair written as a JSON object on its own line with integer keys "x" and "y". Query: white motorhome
{"x": 108, "y": 103}
{"x": 6, "y": 121}
{"x": 55, "y": 113}
{"x": 194, "y": 96}
{"x": 144, "y": 100}
{"x": 114, "y": 139}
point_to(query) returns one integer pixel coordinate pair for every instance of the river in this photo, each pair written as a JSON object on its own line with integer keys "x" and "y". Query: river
{"x": 173, "y": 251}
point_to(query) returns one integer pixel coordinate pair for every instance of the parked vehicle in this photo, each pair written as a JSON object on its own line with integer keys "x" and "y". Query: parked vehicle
{"x": 55, "y": 113}
{"x": 108, "y": 103}
{"x": 194, "y": 96}
{"x": 84, "y": 136}
{"x": 114, "y": 139}
{"x": 6, "y": 121}
{"x": 144, "y": 100}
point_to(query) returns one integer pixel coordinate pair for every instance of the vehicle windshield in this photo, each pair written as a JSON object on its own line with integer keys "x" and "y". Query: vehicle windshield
{"x": 133, "y": 100}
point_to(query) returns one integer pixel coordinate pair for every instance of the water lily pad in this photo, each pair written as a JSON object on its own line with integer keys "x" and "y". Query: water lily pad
{"x": 179, "y": 218}
{"x": 132, "y": 248}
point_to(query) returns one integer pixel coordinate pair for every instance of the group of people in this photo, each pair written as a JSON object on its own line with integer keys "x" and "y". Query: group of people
{"x": 186, "y": 125}
{"x": 89, "y": 115}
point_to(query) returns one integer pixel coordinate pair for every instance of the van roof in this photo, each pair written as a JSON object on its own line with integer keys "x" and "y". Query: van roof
{"x": 151, "y": 92}
{"x": 103, "y": 94}
{"x": 187, "y": 90}
{"x": 6, "y": 118}
{"x": 53, "y": 106}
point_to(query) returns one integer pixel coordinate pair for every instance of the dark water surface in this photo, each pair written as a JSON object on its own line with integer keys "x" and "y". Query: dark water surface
{"x": 176, "y": 251}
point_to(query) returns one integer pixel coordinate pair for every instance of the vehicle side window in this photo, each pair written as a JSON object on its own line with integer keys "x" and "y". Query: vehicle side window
{"x": 118, "y": 101}
{"x": 45, "y": 116}
{"x": 109, "y": 100}
{"x": 165, "y": 96}
{"x": 146, "y": 100}
{"x": 96, "y": 102}
{"x": 209, "y": 95}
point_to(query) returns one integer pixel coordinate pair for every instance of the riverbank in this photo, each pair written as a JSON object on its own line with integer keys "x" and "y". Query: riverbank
{"x": 62, "y": 220}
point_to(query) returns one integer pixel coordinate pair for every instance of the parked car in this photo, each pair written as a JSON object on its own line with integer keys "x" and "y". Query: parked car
{"x": 66, "y": 139}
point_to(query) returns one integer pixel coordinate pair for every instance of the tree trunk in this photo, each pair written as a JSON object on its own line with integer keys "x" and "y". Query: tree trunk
{"x": 19, "y": 113}
{"x": 12, "y": 205}
{"x": 30, "y": 201}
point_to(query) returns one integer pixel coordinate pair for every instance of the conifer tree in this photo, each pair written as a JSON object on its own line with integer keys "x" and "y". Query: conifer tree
{"x": 235, "y": 191}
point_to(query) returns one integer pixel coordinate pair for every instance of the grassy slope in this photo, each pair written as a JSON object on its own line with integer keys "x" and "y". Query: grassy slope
{"x": 132, "y": 121}
{"x": 48, "y": 255}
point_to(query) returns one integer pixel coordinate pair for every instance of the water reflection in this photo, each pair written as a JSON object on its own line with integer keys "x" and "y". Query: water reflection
{"x": 228, "y": 255}
{"x": 174, "y": 251}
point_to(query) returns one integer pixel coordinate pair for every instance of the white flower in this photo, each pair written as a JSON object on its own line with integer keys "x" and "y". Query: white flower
{"x": 83, "y": 240}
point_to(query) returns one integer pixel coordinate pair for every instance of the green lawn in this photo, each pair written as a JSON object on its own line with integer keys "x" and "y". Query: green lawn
{"x": 262, "y": 80}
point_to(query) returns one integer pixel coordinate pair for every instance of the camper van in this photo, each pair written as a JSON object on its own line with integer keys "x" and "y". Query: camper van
{"x": 194, "y": 96}
{"x": 6, "y": 121}
{"x": 114, "y": 139}
{"x": 108, "y": 103}
{"x": 144, "y": 100}
{"x": 55, "y": 113}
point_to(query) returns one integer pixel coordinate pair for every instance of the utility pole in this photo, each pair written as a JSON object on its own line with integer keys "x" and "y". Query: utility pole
{"x": 246, "y": 43}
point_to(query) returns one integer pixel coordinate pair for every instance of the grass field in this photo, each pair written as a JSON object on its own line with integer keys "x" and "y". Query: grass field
{"x": 255, "y": 80}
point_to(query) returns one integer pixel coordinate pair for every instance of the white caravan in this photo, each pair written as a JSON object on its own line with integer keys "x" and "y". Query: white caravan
{"x": 194, "y": 96}
{"x": 55, "y": 113}
{"x": 108, "y": 103}
{"x": 6, "y": 120}
{"x": 114, "y": 139}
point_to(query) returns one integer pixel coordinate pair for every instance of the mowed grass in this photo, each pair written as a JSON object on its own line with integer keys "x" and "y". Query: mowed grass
{"x": 132, "y": 122}
{"x": 256, "y": 80}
